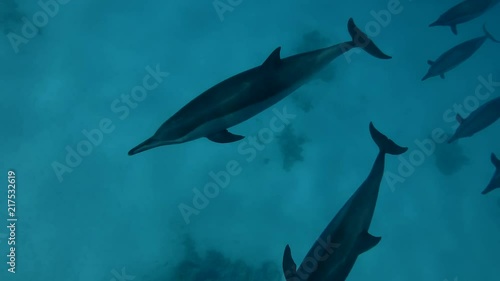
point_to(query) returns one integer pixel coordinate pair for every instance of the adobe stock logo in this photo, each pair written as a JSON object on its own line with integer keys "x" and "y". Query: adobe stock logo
{"x": 123, "y": 276}
{"x": 250, "y": 147}
{"x": 223, "y": 6}
{"x": 30, "y": 29}
{"x": 425, "y": 148}
{"x": 121, "y": 107}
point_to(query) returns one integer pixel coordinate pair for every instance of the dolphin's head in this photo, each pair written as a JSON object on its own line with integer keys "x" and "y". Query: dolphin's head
{"x": 167, "y": 134}
{"x": 148, "y": 144}
{"x": 428, "y": 75}
{"x": 438, "y": 22}
{"x": 453, "y": 138}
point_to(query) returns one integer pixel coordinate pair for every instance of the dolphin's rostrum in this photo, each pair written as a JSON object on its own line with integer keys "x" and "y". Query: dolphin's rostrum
{"x": 244, "y": 95}
{"x": 346, "y": 237}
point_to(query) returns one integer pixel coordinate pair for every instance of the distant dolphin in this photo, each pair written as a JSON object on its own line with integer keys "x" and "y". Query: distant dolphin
{"x": 478, "y": 120}
{"x": 346, "y": 236}
{"x": 495, "y": 181}
{"x": 244, "y": 95}
{"x": 464, "y": 12}
{"x": 456, "y": 55}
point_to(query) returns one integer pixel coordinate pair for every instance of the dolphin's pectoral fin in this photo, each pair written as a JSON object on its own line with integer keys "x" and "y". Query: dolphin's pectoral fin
{"x": 441, "y": 75}
{"x": 224, "y": 137}
{"x": 454, "y": 29}
{"x": 430, "y": 62}
{"x": 495, "y": 160}
{"x": 488, "y": 34}
{"x": 274, "y": 58}
{"x": 366, "y": 241}
{"x": 289, "y": 266}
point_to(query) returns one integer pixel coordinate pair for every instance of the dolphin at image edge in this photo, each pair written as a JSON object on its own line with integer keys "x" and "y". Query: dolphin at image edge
{"x": 478, "y": 120}
{"x": 464, "y": 12}
{"x": 244, "y": 95}
{"x": 495, "y": 180}
{"x": 457, "y": 55}
{"x": 348, "y": 230}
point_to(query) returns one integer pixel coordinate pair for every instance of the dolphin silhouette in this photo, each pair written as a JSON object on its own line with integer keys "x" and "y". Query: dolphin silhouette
{"x": 244, "y": 95}
{"x": 457, "y": 55}
{"x": 346, "y": 236}
{"x": 478, "y": 120}
{"x": 463, "y": 12}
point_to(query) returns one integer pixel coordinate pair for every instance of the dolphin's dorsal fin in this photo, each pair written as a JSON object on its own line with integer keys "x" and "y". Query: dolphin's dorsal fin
{"x": 274, "y": 58}
{"x": 289, "y": 266}
{"x": 366, "y": 241}
{"x": 495, "y": 160}
{"x": 459, "y": 118}
{"x": 224, "y": 137}
{"x": 454, "y": 29}
{"x": 430, "y": 62}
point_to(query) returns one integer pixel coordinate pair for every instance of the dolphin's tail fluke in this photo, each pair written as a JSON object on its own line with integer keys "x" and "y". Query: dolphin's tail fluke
{"x": 384, "y": 143}
{"x": 361, "y": 40}
{"x": 488, "y": 34}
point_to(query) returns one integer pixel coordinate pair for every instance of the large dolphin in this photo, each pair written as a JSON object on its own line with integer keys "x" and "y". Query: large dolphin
{"x": 457, "y": 55}
{"x": 478, "y": 120}
{"x": 244, "y": 95}
{"x": 495, "y": 181}
{"x": 464, "y": 12}
{"x": 333, "y": 255}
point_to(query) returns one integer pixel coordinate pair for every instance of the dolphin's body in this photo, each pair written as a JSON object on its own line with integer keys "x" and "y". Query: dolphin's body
{"x": 464, "y": 12}
{"x": 346, "y": 236}
{"x": 244, "y": 95}
{"x": 456, "y": 55}
{"x": 495, "y": 181}
{"x": 478, "y": 120}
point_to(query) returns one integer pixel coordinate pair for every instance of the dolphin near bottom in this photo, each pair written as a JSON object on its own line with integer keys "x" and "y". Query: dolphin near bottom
{"x": 334, "y": 253}
{"x": 244, "y": 95}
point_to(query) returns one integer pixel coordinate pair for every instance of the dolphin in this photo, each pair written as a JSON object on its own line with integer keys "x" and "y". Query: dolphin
{"x": 463, "y": 12}
{"x": 495, "y": 181}
{"x": 244, "y": 95}
{"x": 478, "y": 120}
{"x": 346, "y": 236}
{"x": 457, "y": 55}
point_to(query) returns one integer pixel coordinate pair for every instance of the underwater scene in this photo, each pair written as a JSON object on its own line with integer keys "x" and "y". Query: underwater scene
{"x": 238, "y": 140}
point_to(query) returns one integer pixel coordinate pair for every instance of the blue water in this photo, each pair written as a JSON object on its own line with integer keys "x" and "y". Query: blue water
{"x": 109, "y": 216}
